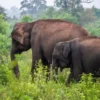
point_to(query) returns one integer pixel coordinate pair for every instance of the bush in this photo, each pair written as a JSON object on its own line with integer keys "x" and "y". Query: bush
{"x": 59, "y": 15}
{"x": 4, "y": 48}
{"x": 93, "y": 28}
{"x": 26, "y": 18}
{"x": 4, "y": 26}
{"x": 40, "y": 89}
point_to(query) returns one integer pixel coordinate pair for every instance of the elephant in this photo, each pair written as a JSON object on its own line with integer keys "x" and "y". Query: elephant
{"x": 41, "y": 36}
{"x": 81, "y": 55}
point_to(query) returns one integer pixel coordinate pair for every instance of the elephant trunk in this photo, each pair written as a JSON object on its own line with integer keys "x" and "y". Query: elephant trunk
{"x": 54, "y": 65}
{"x": 14, "y": 63}
{"x": 55, "y": 71}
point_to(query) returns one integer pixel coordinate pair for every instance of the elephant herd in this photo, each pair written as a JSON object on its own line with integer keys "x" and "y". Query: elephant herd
{"x": 59, "y": 43}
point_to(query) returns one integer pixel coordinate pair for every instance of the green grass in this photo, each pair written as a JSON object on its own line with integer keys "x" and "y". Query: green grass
{"x": 40, "y": 89}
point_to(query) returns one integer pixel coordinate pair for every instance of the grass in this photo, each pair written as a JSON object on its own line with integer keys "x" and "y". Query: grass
{"x": 40, "y": 89}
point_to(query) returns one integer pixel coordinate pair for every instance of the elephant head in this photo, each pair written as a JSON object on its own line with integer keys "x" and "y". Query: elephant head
{"x": 20, "y": 41}
{"x": 67, "y": 55}
{"x": 61, "y": 55}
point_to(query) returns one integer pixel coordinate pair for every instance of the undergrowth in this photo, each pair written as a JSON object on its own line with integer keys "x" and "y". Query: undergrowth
{"x": 40, "y": 89}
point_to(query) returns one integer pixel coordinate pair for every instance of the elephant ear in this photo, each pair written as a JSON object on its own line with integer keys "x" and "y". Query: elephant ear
{"x": 21, "y": 30}
{"x": 18, "y": 35}
{"x": 66, "y": 50}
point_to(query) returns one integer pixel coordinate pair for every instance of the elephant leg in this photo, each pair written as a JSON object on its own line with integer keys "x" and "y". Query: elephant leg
{"x": 36, "y": 56}
{"x": 33, "y": 68}
{"x": 16, "y": 71}
{"x": 61, "y": 69}
{"x": 70, "y": 77}
{"x": 56, "y": 75}
{"x": 76, "y": 61}
{"x": 46, "y": 63}
{"x": 48, "y": 73}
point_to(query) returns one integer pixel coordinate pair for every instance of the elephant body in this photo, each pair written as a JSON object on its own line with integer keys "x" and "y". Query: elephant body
{"x": 80, "y": 55}
{"x": 42, "y": 36}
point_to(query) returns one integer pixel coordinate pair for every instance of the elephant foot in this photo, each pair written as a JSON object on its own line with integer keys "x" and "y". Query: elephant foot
{"x": 16, "y": 72}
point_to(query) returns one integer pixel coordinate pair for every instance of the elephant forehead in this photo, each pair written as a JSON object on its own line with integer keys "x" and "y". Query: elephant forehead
{"x": 18, "y": 32}
{"x": 18, "y": 25}
{"x": 56, "y": 52}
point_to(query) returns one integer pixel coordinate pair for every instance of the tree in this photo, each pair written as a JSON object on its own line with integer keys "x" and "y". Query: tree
{"x": 87, "y": 16}
{"x": 13, "y": 12}
{"x": 4, "y": 26}
{"x": 96, "y": 12}
{"x": 4, "y": 40}
{"x": 72, "y": 6}
{"x": 48, "y": 13}
{"x": 52, "y": 13}
{"x": 2, "y": 11}
{"x": 93, "y": 28}
{"x": 32, "y": 7}
{"x": 26, "y": 18}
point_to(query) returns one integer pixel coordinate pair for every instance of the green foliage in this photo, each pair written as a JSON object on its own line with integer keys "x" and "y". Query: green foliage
{"x": 2, "y": 12}
{"x": 65, "y": 16}
{"x": 96, "y": 12}
{"x": 40, "y": 89}
{"x": 52, "y": 14}
{"x": 5, "y": 74}
{"x": 4, "y": 40}
{"x": 32, "y": 7}
{"x": 4, "y": 44}
{"x": 26, "y": 18}
{"x": 73, "y": 7}
{"x": 87, "y": 16}
{"x": 93, "y": 28}
{"x": 4, "y": 26}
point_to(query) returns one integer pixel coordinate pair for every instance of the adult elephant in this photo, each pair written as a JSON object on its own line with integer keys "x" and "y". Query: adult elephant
{"x": 41, "y": 36}
{"x": 80, "y": 55}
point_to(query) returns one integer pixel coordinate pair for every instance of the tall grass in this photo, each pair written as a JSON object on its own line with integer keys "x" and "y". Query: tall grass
{"x": 40, "y": 89}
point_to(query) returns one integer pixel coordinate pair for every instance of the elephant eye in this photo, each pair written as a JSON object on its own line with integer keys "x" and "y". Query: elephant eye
{"x": 15, "y": 42}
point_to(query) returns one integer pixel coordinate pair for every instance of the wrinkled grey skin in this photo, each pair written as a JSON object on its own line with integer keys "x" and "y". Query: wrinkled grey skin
{"x": 80, "y": 55}
{"x": 41, "y": 36}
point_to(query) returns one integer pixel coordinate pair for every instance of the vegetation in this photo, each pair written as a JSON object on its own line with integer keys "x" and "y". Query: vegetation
{"x": 25, "y": 89}
{"x": 93, "y": 28}
{"x": 2, "y": 11}
{"x": 32, "y": 7}
{"x": 4, "y": 40}
{"x": 53, "y": 14}
{"x": 40, "y": 89}
{"x": 4, "y": 26}
{"x": 26, "y": 18}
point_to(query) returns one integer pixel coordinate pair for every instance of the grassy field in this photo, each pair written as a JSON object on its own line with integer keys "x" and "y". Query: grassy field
{"x": 40, "y": 89}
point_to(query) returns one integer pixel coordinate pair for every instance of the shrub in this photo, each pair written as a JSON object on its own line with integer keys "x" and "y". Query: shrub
{"x": 26, "y": 18}
{"x": 4, "y": 48}
{"x": 4, "y": 26}
{"x": 93, "y": 28}
{"x": 60, "y": 15}
{"x": 40, "y": 89}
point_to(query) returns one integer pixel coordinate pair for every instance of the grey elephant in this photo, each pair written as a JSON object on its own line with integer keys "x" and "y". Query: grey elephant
{"x": 80, "y": 55}
{"x": 41, "y": 36}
